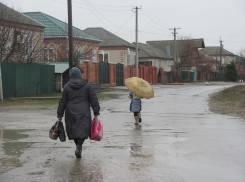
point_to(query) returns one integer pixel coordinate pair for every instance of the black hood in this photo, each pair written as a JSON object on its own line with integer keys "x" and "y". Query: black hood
{"x": 76, "y": 83}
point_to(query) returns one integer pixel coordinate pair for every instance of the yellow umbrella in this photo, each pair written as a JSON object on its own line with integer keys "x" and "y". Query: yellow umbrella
{"x": 140, "y": 87}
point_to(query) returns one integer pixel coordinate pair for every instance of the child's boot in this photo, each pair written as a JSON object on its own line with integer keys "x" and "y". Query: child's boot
{"x": 140, "y": 120}
{"x": 136, "y": 120}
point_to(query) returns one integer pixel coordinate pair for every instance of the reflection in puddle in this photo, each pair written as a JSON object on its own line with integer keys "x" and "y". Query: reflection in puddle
{"x": 78, "y": 170}
{"x": 1, "y": 132}
{"x": 141, "y": 158}
{"x": 11, "y": 148}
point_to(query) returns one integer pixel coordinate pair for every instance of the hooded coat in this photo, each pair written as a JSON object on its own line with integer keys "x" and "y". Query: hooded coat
{"x": 77, "y": 97}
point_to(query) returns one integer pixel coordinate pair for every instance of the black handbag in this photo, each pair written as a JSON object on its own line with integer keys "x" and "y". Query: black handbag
{"x": 62, "y": 134}
{"x": 57, "y": 130}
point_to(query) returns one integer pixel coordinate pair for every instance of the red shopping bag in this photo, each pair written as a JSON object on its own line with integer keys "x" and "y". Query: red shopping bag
{"x": 96, "y": 130}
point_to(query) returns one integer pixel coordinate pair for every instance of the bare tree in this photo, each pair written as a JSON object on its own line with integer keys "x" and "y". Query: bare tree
{"x": 20, "y": 41}
{"x": 187, "y": 54}
{"x": 241, "y": 64}
{"x": 204, "y": 66}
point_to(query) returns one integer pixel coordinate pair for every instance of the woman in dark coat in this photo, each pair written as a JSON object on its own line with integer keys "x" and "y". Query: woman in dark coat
{"x": 77, "y": 97}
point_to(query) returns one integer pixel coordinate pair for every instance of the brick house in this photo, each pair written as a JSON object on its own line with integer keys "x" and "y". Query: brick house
{"x": 186, "y": 53}
{"x": 207, "y": 67}
{"x": 215, "y": 52}
{"x": 21, "y": 37}
{"x": 85, "y": 46}
{"x": 149, "y": 55}
{"x": 113, "y": 49}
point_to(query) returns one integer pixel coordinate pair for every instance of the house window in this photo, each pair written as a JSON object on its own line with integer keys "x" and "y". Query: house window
{"x": 100, "y": 57}
{"x": 94, "y": 55}
{"x": 27, "y": 45}
{"x": 80, "y": 54}
{"x": 106, "y": 57}
{"x": 24, "y": 43}
{"x": 48, "y": 54}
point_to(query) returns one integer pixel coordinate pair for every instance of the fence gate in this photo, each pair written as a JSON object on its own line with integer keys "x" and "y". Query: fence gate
{"x": 103, "y": 70}
{"x": 119, "y": 74}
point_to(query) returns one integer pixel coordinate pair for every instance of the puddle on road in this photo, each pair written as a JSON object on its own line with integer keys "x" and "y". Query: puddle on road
{"x": 11, "y": 149}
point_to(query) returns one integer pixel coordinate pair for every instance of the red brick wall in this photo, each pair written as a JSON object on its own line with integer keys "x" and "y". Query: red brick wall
{"x": 147, "y": 73}
{"x": 112, "y": 74}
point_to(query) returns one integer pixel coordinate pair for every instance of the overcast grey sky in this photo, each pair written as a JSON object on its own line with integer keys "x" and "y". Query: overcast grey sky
{"x": 208, "y": 19}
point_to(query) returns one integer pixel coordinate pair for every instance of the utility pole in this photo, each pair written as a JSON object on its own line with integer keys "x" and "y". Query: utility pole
{"x": 70, "y": 34}
{"x": 221, "y": 47}
{"x": 136, "y": 41}
{"x": 175, "y": 57}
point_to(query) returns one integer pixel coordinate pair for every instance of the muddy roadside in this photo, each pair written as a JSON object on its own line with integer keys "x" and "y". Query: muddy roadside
{"x": 230, "y": 101}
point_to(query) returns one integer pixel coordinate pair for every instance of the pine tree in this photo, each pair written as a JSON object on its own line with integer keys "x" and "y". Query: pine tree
{"x": 231, "y": 72}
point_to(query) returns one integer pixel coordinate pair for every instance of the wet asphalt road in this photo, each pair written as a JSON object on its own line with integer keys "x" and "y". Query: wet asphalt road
{"x": 178, "y": 140}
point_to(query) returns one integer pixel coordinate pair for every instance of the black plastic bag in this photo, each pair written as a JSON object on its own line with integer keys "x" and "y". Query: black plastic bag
{"x": 62, "y": 134}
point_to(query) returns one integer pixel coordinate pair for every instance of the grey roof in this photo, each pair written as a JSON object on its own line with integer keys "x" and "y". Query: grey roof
{"x": 162, "y": 44}
{"x": 215, "y": 50}
{"x": 205, "y": 57}
{"x": 59, "y": 67}
{"x": 10, "y": 14}
{"x": 57, "y": 28}
{"x": 108, "y": 39}
{"x": 148, "y": 51}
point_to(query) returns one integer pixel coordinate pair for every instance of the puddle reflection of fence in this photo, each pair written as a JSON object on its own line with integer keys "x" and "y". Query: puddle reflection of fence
{"x": 1, "y": 132}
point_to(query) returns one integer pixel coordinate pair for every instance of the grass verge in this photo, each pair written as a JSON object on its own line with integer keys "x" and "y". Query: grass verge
{"x": 53, "y": 98}
{"x": 230, "y": 101}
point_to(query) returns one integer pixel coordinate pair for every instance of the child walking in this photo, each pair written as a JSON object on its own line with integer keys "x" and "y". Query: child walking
{"x": 135, "y": 107}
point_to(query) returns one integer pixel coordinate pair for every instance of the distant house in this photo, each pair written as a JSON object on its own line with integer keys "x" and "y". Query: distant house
{"x": 149, "y": 55}
{"x": 167, "y": 46}
{"x": 188, "y": 47}
{"x": 85, "y": 46}
{"x": 186, "y": 54}
{"x": 215, "y": 52}
{"x": 240, "y": 62}
{"x": 207, "y": 67}
{"x": 20, "y": 37}
{"x": 113, "y": 49}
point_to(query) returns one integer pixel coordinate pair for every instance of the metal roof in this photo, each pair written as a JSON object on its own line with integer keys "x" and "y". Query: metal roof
{"x": 108, "y": 39}
{"x": 162, "y": 44}
{"x": 57, "y": 28}
{"x": 215, "y": 50}
{"x": 205, "y": 57}
{"x": 10, "y": 14}
{"x": 60, "y": 67}
{"x": 147, "y": 50}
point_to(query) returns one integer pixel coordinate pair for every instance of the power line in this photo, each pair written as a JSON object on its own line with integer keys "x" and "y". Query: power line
{"x": 98, "y": 8}
{"x": 145, "y": 14}
{"x": 125, "y": 22}
{"x": 96, "y": 4}
{"x": 155, "y": 33}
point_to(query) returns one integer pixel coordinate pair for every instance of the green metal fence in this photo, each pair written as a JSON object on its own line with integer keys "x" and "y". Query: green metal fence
{"x": 103, "y": 70}
{"x": 20, "y": 79}
{"x": 119, "y": 74}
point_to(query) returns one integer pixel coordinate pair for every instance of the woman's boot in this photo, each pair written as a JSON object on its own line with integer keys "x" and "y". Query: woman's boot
{"x": 140, "y": 120}
{"x": 78, "y": 151}
{"x": 136, "y": 120}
